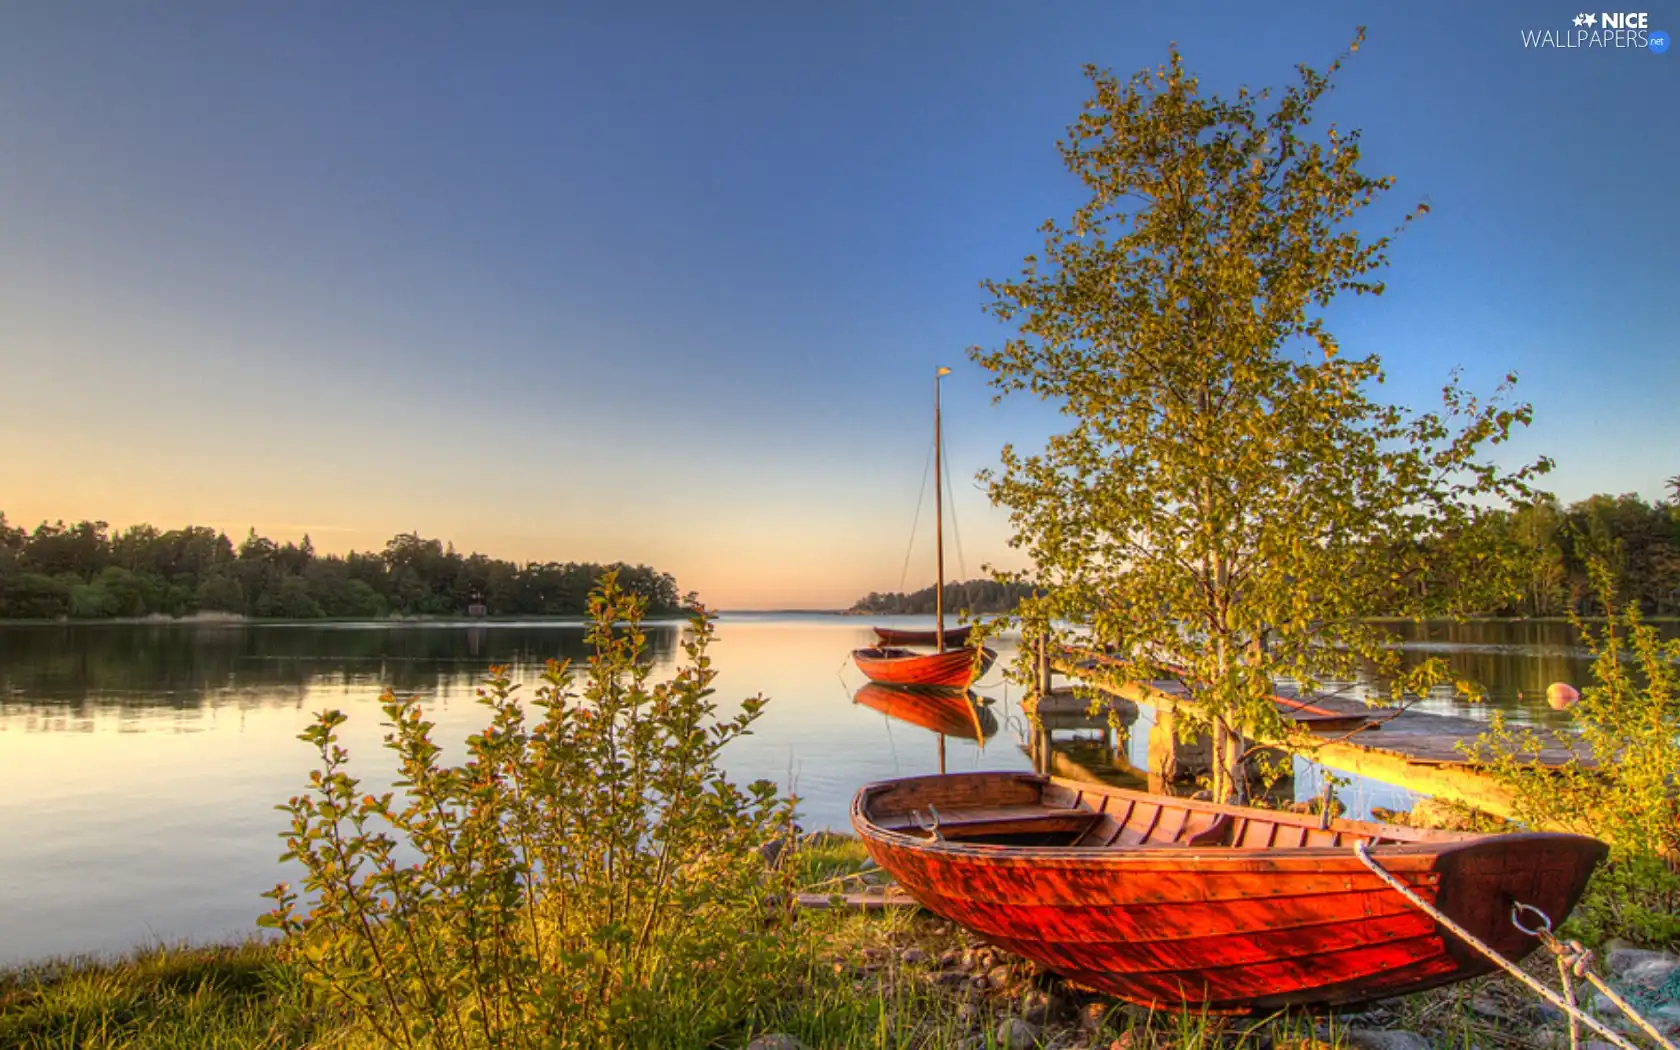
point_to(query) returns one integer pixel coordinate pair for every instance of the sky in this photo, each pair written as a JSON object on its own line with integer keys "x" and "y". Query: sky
{"x": 668, "y": 282}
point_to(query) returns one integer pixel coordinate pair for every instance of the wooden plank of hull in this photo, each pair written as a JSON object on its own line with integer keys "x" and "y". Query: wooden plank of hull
{"x": 954, "y": 636}
{"x": 948, "y": 712}
{"x": 1262, "y": 921}
{"x": 954, "y": 669}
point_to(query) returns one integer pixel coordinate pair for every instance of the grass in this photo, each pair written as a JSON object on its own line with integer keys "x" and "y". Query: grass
{"x": 211, "y": 997}
{"x": 895, "y": 981}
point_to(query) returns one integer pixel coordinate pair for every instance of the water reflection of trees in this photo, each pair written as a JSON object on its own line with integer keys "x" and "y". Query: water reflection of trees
{"x": 1511, "y": 661}
{"x": 184, "y": 667}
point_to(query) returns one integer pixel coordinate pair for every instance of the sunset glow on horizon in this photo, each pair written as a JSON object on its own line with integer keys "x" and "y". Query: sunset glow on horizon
{"x": 669, "y": 287}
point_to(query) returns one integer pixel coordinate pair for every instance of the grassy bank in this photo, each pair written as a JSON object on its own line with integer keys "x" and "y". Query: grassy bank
{"x": 898, "y": 981}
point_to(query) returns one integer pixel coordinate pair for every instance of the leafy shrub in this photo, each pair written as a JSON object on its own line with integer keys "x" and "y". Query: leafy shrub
{"x": 1630, "y": 719}
{"x": 590, "y": 878}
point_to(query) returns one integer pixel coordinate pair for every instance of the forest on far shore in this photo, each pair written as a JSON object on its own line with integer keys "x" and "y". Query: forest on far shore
{"x": 975, "y": 596}
{"x": 85, "y": 571}
{"x": 1548, "y": 543}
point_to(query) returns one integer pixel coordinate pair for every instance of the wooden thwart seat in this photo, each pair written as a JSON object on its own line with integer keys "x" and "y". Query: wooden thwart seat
{"x": 1083, "y": 827}
{"x": 977, "y": 821}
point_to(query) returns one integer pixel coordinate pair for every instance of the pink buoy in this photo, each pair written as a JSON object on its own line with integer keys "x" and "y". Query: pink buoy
{"x": 1562, "y": 696}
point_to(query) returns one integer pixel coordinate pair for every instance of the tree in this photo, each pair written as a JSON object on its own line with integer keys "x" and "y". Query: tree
{"x": 1216, "y": 508}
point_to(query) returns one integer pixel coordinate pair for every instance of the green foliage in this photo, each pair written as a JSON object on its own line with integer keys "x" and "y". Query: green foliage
{"x": 1629, "y": 718}
{"x": 1230, "y": 503}
{"x": 83, "y": 572}
{"x": 589, "y": 878}
{"x": 971, "y": 596}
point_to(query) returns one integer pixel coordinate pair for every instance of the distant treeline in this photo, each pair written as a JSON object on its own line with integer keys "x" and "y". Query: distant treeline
{"x": 84, "y": 571}
{"x": 979, "y": 596}
{"x": 1548, "y": 543}
{"x": 1552, "y": 543}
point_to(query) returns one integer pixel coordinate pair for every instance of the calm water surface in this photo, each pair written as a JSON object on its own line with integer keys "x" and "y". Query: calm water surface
{"x": 139, "y": 765}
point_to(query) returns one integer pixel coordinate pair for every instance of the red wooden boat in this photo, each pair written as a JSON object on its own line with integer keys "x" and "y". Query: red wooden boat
{"x": 1189, "y": 905}
{"x": 948, "y": 712}
{"x": 951, "y": 669}
{"x": 955, "y": 637}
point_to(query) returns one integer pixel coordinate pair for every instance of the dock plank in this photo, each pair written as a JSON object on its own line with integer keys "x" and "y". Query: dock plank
{"x": 1428, "y": 752}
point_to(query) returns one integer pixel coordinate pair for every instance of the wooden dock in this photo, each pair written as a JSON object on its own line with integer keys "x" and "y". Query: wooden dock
{"x": 1432, "y": 754}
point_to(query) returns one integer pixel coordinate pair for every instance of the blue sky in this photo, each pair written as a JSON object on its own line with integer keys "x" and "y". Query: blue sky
{"x": 668, "y": 282}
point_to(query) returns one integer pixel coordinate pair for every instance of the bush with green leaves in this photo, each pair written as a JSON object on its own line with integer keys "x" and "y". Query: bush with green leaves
{"x": 1629, "y": 718}
{"x": 589, "y": 876}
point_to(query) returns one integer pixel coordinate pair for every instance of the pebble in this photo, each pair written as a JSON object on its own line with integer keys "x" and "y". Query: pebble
{"x": 913, "y": 957}
{"x": 1092, "y": 1016}
{"x": 950, "y": 959}
{"x": 1650, "y": 969}
{"x": 980, "y": 983}
{"x": 1486, "y": 1008}
{"x": 1554, "y": 1039}
{"x": 1016, "y": 1034}
{"x": 777, "y": 1041}
{"x": 1385, "y": 1039}
{"x": 948, "y": 978}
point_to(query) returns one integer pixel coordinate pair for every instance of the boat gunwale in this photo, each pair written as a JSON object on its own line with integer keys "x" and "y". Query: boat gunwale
{"x": 1421, "y": 843}
{"x": 898, "y": 652}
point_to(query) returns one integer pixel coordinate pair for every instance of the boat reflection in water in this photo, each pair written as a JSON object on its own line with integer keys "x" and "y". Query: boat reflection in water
{"x": 944, "y": 712}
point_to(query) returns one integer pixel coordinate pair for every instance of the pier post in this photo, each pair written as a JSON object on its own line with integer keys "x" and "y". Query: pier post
{"x": 1042, "y": 662}
{"x": 1172, "y": 760}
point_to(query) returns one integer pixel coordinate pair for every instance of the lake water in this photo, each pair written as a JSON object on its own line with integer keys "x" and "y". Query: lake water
{"x": 140, "y": 764}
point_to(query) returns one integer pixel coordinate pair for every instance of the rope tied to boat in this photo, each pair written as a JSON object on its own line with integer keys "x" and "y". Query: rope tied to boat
{"x": 1577, "y": 957}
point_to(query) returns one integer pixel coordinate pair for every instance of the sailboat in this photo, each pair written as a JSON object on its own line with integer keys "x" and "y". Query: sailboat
{"x": 951, "y": 668}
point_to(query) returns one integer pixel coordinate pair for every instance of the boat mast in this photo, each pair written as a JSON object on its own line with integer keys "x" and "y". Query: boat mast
{"x": 938, "y": 520}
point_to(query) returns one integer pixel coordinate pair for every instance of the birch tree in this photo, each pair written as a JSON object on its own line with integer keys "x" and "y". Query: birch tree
{"x": 1231, "y": 500}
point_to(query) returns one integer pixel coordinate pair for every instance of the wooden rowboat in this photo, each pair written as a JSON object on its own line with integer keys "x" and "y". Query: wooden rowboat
{"x": 955, "y": 637}
{"x": 948, "y": 712}
{"x": 951, "y": 669}
{"x": 1189, "y": 905}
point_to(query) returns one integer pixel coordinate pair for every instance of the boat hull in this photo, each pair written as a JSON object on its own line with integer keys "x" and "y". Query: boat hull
{"x": 955, "y": 637}
{"x": 948, "y": 712}
{"x": 952, "y": 669}
{"x": 1238, "y": 928}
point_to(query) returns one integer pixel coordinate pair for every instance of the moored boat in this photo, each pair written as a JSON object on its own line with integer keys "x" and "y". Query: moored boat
{"x": 951, "y": 669}
{"x": 955, "y": 637}
{"x": 948, "y": 712}
{"x": 1178, "y": 904}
